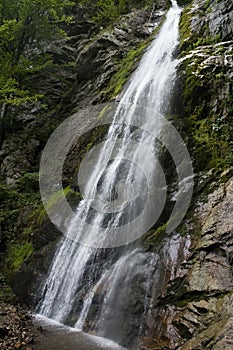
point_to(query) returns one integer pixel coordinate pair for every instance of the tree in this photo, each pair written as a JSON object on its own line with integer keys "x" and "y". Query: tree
{"x": 109, "y": 10}
{"x": 25, "y": 27}
{"x": 105, "y": 11}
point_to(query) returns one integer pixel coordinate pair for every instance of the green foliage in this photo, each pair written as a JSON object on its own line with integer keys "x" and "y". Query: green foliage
{"x": 210, "y": 131}
{"x": 12, "y": 202}
{"x": 26, "y": 27}
{"x": 207, "y": 40}
{"x": 38, "y": 215}
{"x": 105, "y": 12}
{"x": 185, "y": 30}
{"x": 29, "y": 182}
{"x": 190, "y": 39}
{"x": 17, "y": 253}
{"x": 212, "y": 136}
{"x": 15, "y": 235}
{"x": 109, "y": 10}
{"x": 57, "y": 197}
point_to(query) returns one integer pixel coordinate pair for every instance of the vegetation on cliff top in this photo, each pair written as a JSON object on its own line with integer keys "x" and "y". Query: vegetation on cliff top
{"x": 105, "y": 12}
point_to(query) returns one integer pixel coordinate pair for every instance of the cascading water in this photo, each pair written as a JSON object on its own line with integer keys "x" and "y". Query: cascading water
{"x": 120, "y": 285}
{"x": 149, "y": 86}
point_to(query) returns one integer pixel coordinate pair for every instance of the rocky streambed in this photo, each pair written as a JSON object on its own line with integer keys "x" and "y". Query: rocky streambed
{"x": 21, "y": 330}
{"x": 16, "y": 328}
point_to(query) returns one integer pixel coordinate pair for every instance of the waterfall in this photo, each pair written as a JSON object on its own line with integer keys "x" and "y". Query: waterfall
{"x": 68, "y": 283}
{"x": 120, "y": 285}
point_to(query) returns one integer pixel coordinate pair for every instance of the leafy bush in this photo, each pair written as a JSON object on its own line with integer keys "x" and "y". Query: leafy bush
{"x": 29, "y": 182}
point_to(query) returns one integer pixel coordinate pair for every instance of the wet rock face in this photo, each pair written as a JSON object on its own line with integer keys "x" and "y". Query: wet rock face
{"x": 194, "y": 308}
{"x": 213, "y": 17}
{"x": 221, "y": 19}
{"x": 67, "y": 88}
{"x": 97, "y": 60}
{"x": 190, "y": 291}
{"x": 84, "y": 65}
{"x": 26, "y": 281}
{"x": 212, "y": 270}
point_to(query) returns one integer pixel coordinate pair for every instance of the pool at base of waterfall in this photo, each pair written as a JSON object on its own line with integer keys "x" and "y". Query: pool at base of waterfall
{"x": 56, "y": 336}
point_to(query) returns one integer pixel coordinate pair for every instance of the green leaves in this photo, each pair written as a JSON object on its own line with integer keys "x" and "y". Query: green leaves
{"x": 26, "y": 28}
{"x": 7, "y": 30}
{"x": 105, "y": 11}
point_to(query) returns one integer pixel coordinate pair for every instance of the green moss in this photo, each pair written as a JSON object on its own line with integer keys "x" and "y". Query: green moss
{"x": 38, "y": 215}
{"x": 153, "y": 237}
{"x": 182, "y": 303}
{"x": 194, "y": 297}
{"x": 210, "y": 132}
{"x": 207, "y": 123}
{"x": 126, "y": 66}
{"x": 26, "y": 234}
{"x": 124, "y": 70}
{"x": 17, "y": 253}
{"x": 185, "y": 29}
{"x": 190, "y": 39}
{"x": 13, "y": 201}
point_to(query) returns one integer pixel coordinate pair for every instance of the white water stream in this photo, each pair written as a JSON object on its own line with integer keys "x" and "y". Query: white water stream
{"x": 150, "y": 86}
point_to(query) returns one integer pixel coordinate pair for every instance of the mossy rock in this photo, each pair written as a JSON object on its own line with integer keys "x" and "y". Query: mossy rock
{"x": 17, "y": 253}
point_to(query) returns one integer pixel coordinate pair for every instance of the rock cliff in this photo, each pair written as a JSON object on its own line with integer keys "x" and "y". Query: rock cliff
{"x": 193, "y": 309}
{"x": 192, "y": 283}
